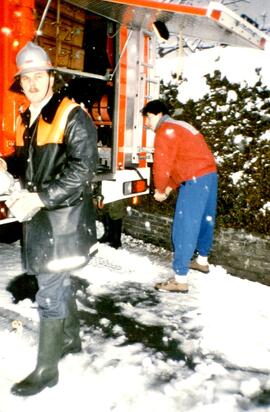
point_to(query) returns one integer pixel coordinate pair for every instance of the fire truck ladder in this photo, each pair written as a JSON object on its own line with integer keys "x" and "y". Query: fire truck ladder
{"x": 147, "y": 58}
{"x": 148, "y": 89}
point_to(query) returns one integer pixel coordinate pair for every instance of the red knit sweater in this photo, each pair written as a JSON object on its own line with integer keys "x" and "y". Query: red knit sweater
{"x": 181, "y": 154}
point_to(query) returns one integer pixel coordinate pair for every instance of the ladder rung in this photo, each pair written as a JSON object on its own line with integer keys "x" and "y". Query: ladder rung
{"x": 148, "y": 33}
{"x": 151, "y": 66}
{"x": 148, "y": 80}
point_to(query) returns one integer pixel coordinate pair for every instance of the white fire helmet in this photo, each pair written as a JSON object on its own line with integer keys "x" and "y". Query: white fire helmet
{"x": 32, "y": 58}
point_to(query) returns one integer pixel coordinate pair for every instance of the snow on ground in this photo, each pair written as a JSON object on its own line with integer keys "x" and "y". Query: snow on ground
{"x": 143, "y": 350}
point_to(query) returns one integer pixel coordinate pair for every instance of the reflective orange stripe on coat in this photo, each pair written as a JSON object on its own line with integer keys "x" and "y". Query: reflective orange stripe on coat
{"x": 48, "y": 132}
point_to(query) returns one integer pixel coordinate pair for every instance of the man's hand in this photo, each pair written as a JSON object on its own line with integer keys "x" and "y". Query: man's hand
{"x": 160, "y": 197}
{"x": 168, "y": 190}
{"x": 24, "y": 205}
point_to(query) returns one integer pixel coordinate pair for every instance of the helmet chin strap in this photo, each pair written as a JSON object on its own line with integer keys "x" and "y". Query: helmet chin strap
{"x": 48, "y": 87}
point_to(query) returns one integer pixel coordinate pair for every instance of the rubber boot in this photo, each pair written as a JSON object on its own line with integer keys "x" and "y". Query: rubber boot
{"x": 71, "y": 340}
{"x": 116, "y": 232}
{"x": 49, "y": 352}
{"x": 106, "y": 238}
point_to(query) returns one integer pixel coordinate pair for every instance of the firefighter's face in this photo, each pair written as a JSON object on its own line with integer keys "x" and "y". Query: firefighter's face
{"x": 37, "y": 86}
{"x": 151, "y": 120}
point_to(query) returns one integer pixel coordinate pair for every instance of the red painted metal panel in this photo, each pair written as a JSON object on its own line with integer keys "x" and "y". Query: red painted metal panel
{"x": 16, "y": 28}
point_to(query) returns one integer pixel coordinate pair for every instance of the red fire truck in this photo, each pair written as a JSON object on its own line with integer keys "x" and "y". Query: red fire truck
{"x": 104, "y": 52}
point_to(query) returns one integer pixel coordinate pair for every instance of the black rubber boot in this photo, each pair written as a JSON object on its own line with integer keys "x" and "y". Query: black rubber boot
{"x": 49, "y": 352}
{"x": 106, "y": 238}
{"x": 71, "y": 340}
{"x": 116, "y": 232}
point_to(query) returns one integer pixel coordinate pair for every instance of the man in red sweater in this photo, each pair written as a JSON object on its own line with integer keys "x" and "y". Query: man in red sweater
{"x": 183, "y": 160}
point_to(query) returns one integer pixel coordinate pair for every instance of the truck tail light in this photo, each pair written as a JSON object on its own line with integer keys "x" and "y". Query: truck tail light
{"x": 135, "y": 186}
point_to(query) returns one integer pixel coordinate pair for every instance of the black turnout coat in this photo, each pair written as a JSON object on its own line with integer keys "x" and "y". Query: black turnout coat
{"x": 60, "y": 170}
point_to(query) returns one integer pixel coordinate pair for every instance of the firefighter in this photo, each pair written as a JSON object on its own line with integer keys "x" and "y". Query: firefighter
{"x": 55, "y": 156}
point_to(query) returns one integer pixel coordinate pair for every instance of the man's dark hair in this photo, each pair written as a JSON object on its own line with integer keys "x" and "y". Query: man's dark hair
{"x": 155, "y": 107}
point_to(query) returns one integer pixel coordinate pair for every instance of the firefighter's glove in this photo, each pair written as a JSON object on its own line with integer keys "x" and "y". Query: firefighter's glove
{"x": 24, "y": 205}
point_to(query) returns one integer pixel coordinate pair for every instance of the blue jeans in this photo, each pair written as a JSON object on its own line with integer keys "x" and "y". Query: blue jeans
{"x": 194, "y": 220}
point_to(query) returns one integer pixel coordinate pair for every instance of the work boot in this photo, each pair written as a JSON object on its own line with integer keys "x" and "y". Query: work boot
{"x": 171, "y": 285}
{"x": 49, "y": 352}
{"x": 71, "y": 339}
{"x": 196, "y": 266}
